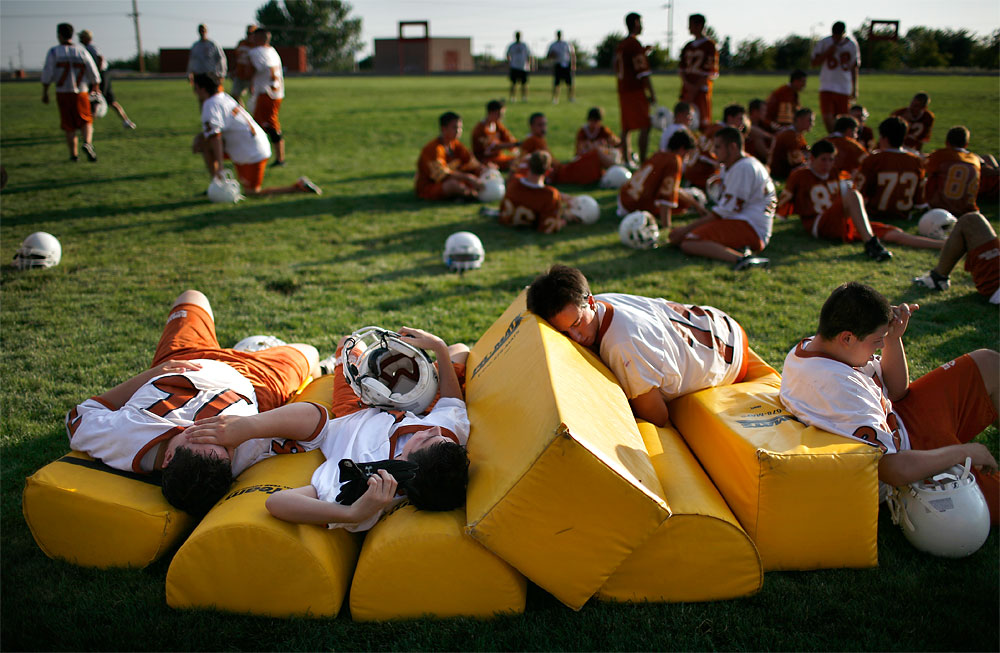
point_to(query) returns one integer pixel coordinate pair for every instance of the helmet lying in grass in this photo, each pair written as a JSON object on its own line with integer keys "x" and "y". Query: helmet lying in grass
{"x": 936, "y": 223}
{"x": 463, "y": 251}
{"x": 493, "y": 190}
{"x": 39, "y": 250}
{"x": 639, "y": 230}
{"x": 258, "y": 343}
{"x": 583, "y": 207}
{"x": 615, "y": 177}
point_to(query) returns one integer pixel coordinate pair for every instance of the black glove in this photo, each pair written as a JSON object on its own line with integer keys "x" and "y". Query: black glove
{"x": 354, "y": 476}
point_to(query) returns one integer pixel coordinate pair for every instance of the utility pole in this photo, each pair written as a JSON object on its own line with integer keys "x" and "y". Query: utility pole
{"x": 670, "y": 26}
{"x": 138, "y": 39}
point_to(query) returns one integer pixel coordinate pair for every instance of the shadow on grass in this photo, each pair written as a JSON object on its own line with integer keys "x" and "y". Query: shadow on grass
{"x": 385, "y": 175}
{"x": 99, "y": 211}
{"x": 30, "y": 141}
{"x": 88, "y": 181}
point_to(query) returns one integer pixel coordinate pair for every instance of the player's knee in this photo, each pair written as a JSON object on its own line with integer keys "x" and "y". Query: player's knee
{"x": 988, "y": 362}
{"x": 195, "y": 297}
{"x": 273, "y": 134}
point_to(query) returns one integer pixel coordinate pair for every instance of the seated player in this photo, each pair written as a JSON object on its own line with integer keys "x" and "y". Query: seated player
{"x": 790, "y": 148}
{"x": 783, "y": 102}
{"x": 830, "y": 207}
{"x": 682, "y": 120}
{"x": 656, "y": 185}
{"x": 595, "y": 135}
{"x": 835, "y": 381}
{"x": 759, "y": 136}
{"x": 491, "y": 141}
{"x": 972, "y": 237}
{"x": 445, "y": 168}
{"x": 585, "y": 168}
{"x": 891, "y": 178}
{"x": 850, "y": 153}
{"x": 740, "y": 223}
{"x": 658, "y": 350}
{"x": 698, "y": 172}
{"x": 528, "y": 202}
{"x": 953, "y": 175}
{"x": 140, "y": 425}
{"x": 919, "y": 121}
{"x": 865, "y": 134}
{"x": 228, "y": 132}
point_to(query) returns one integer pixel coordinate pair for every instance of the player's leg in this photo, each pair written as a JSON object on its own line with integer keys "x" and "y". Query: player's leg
{"x": 72, "y": 144}
{"x": 457, "y": 188}
{"x": 458, "y": 352}
{"x": 919, "y": 242}
{"x": 971, "y": 231}
{"x": 524, "y": 86}
{"x": 988, "y": 362}
{"x": 555, "y": 85}
{"x": 626, "y": 146}
{"x": 195, "y": 297}
{"x": 311, "y": 354}
{"x": 693, "y": 246}
{"x": 643, "y": 144}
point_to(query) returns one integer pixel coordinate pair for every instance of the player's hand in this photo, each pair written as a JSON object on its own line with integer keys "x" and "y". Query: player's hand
{"x": 223, "y": 430}
{"x": 982, "y": 459}
{"x": 381, "y": 491}
{"x": 177, "y": 366}
{"x": 900, "y": 320}
{"x": 422, "y": 339}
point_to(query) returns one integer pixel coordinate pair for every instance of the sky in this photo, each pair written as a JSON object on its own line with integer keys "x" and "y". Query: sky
{"x": 27, "y": 28}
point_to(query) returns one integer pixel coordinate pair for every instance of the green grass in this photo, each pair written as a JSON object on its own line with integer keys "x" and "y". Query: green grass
{"x": 135, "y": 232}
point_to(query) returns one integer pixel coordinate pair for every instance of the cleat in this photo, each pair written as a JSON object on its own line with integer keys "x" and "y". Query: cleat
{"x": 751, "y": 261}
{"x": 128, "y": 124}
{"x": 876, "y": 250}
{"x": 278, "y": 164}
{"x": 73, "y": 158}
{"x": 932, "y": 280}
{"x": 88, "y": 149}
{"x": 305, "y": 184}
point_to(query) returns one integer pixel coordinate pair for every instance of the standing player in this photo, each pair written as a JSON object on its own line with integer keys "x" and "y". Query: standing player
{"x": 445, "y": 168}
{"x": 850, "y": 153}
{"x": 206, "y": 57}
{"x": 953, "y": 174}
{"x": 490, "y": 138}
{"x": 784, "y": 101}
{"x": 519, "y": 59}
{"x": 972, "y": 237}
{"x": 528, "y": 202}
{"x": 790, "y": 148}
{"x": 74, "y": 73}
{"x": 268, "y": 89}
{"x": 659, "y": 350}
{"x": 891, "y": 179}
{"x": 564, "y": 56}
{"x": 635, "y": 90}
{"x": 699, "y": 67}
{"x": 740, "y": 223}
{"x": 243, "y": 72}
{"x": 698, "y": 172}
{"x": 839, "y": 59}
{"x": 228, "y": 131}
{"x": 86, "y": 40}
{"x": 865, "y": 134}
{"x": 656, "y": 185}
{"x": 919, "y": 121}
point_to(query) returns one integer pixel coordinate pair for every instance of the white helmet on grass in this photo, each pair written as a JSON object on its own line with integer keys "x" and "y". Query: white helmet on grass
{"x": 639, "y": 230}
{"x": 493, "y": 190}
{"x": 583, "y": 207}
{"x": 615, "y": 177}
{"x": 463, "y": 251}
{"x": 258, "y": 343}
{"x": 490, "y": 173}
{"x": 936, "y": 223}
{"x": 386, "y": 371}
{"x": 225, "y": 190}
{"x": 661, "y": 117}
{"x": 39, "y": 250}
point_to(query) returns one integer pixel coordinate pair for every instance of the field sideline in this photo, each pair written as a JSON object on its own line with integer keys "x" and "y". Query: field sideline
{"x": 135, "y": 232}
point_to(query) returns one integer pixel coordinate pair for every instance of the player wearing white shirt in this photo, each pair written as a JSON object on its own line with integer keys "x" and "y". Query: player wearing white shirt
{"x": 839, "y": 59}
{"x": 658, "y": 350}
{"x": 565, "y": 65}
{"x": 86, "y": 38}
{"x": 519, "y": 59}
{"x": 740, "y": 223}
{"x": 836, "y": 382}
{"x": 71, "y": 68}
{"x": 268, "y": 90}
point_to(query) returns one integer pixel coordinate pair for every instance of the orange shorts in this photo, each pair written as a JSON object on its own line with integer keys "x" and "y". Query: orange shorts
{"x": 501, "y": 161}
{"x": 431, "y": 191}
{"x": 835, "y": 224}
{"x": 950, "y": 405}
{"x": 703, "y": 101}
{"x": 275, "y": 373}
{"x": 833, "y": 104}
{"x": 265, "y": 112}
{"x": 730, "y": 232}
{"x": 251, "y": 175}
{"x": 74, "y": 110}
{"x": 983, "y": 263}
{"x": 634, "y": 109}
{"x": 584, "y": 169}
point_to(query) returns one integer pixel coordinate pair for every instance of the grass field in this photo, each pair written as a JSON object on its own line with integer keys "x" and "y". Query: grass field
{"x": 135, "y": 232}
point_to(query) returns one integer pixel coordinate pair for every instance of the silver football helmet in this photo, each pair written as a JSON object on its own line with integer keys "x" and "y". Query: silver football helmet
{"x": 258, "y": 343}
{"x": 385, "y": 371}
{"x": 39, "y": 250}
{"x": 225, "y": 190}
{"x": 639, "y": 230}
{"x": 936, "y": 223}
{"x": 463, "y": 251}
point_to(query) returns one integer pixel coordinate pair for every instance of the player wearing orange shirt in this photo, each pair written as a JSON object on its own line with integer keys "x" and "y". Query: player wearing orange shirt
{"x": 919, "y": 121}
{"x": 830, "y": 207}
{"x": 635, "y": 91}
{"x": 891, "y": 179}
{"x": 586, "y": 168}
{"x": 953, "y": 174}
{"x": 759, "y": 137}
{"x": 706, "y": 164}
{"x": 528, "y": 202}
{"x": 699, "y": 67}
{"x": 790, "y": 147}
{"x": 445, "y": 168}
{"x": 656, "y": 185}
{"x": 784, "y": 101}
{"x": 490, "y": 138}
{"x": 595, "y": 135}
{"x": 865, "y": 134}
{"x": 850, "y": 153}
{"x": 243, "y": 70}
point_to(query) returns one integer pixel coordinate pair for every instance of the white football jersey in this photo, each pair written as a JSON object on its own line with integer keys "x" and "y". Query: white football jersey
{"x": 562, "y": 52}
{"x": 678, "y": 348}
{"x": 748, "y": 195}
{"x": 267, "y": 75}
{"x": 518, "y": 54}
{"x": 836, "y": 72}
{"x": 243, "y": 139}
{"x": 71, "y": 69}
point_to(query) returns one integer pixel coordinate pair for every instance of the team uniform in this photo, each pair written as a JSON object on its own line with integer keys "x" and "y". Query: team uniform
{"x": 866, "y": 137}
{"x": 526, "y": 204}
{"x": 699, "y": 63}
{"x": 601, "y": 138}
{"x": 74, "y": 73}
{"x": 631, "y": 67}
{"x": 836, "y": 74}
{"x": 918, "y": 130}
{"x": 437, "y": 160}
{"x": 781, "y": 107}
{"x": 583, "y": 169}
{"x": 706, "y": 164}
{"x": 949, "y": 405}
{"x": 891, "y": 182}
{"x": 850, "y": 153}
{"x": 243, "y": 140}
{"x": 746, "y": 206}
{"x": 952, "y": 180}
{"x": 243, "y": 72}
{"x": 562, "y": 52}
{"x": 677, "y": 348}
{"x": 653, "y": 185}
{"x": 267, "y": 86}
{"x": 819, "y": 203}
{"x": 787, "y": 153}
{"x": 518, "y": 55}
{"x": 485, "y": 136}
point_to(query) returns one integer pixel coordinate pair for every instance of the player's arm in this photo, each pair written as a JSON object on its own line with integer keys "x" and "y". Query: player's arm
{"x": 819, "y": 56}
{"x": 117, "y": 396}
{"x": 302, "y": 506}
{"x": 449, "y": 386}
{"x": 215, "y": 148}
{"x": 912, "y": 465}
{"x": 895, "y": 371}
{"x": 296, "y": 421}
{"x": 651, "y": 407}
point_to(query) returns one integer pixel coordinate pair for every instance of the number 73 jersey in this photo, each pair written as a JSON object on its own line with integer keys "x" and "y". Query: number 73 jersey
{"x": 891, "y": 182}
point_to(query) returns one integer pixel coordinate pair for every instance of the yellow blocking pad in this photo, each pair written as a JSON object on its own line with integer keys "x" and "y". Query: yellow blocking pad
{"x": 700, "y": 553}
{"x": 416, "y": 563}
{"x": 561, "y": 486}
{"x": 807, "y": 498}
{"x": 83, "y": 511}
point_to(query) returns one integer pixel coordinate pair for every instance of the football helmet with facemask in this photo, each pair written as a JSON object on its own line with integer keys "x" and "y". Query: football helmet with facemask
{"x": 463, "y": 251}
{"x": 493, "y": 190}
{"x": 936, "y": 223}
{"x": 98, "y": 105}
{"x": 583, "y": 207}
{"x": 661, "y": 117}
{"x": 258, "y": 343}
{"x": 639, "y": 230}
{"x": 615, "y": 177}
{"x": 39, "y": 250}
{"x": 385, "y": 371}
{"x": 225, "y": 189}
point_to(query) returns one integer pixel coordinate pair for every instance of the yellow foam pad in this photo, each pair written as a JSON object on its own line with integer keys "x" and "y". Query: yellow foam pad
{"x": 700, "y": 553}
{"x": 807, "y": 498}
{"x": 416, "y": 563}
{"x": 83, "y": 511}
{"x": 561, "y": 486}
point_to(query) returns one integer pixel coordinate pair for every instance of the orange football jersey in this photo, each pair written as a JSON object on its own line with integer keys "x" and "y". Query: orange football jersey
{"x": 867, "y": 137}
{"x": 699, "y": 61}
{"x": 631, "y": 65}
{"x": 850, "y": 153}
{"x": 485, "y": 136}
{"x": 808, "y": 195}
{"x": 919, "y": 130}
{"x": 528, "y": 205}
{"x": 782, "y": 105}
{"x": 787, "y": 153}
{"x": 705, "y": 165}
{"x": 602, "y": 138}
{"x": 437, "y": 160}
{"x": 891, "y": 181}
{"x": 654, "y": 184}
{"x": 952, "y": 180}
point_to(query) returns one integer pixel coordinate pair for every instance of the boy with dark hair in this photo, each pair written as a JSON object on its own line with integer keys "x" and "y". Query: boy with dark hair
{"x": 445, "y": 168}
{"x": 72, "y": 90}
{"x": 850, "y": 153}
{"x": 698, "y": 68}
{"x": 835, "y": 381}
{"x": 490, "y": 138}
{"x": 891, "y": 179}
{"x": 707, "y": 164}
{"x": 784, "y": 101}
{"x": 865, "y": 134}
{"x": 584, "y": 168}
{"x": 953, "y": 175}
{"x": 974, "y": 238}
{"x": 529, "y": 202}
{"x": 789, "y": 148}
{"x": 595, "y": 135}
{"x": 759, "y": 136}
{"x": 656, "y": 186}
{"x": 657, "y": 349}
{"x": 919, "y": 121}
{"x": 635, "y": 89}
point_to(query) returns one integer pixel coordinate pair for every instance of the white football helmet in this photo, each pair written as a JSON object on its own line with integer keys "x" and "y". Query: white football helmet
{"x": 98, "y": 105}
{"x": 639, "y": 230}
{"x": 39, "y": 250}
{"x": 491, "y": 173}
{"x": 463, "y": 251}
{"x": 661, "y": 117}
{"x": 258, "y": 343}
{"x": 583, "y": 207}
{"x": 936, "y": 223}
{"x": 945, "y": 515}
{"x": 225, "y": 190}
{"x": 695, "y": 118}
{"x": 385, "y": 371}
{"x": 698, "y": 194}
{"x": 615, "y": 177}
{"x": 714, "y": 188}
{"x": 493, "y": 190}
